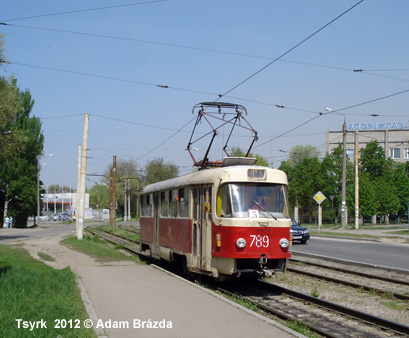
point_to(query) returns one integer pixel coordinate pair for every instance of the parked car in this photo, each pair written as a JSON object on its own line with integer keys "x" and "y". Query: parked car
{"x": 64, "y": 216}
{"x": 299, "y": 233}
{"x": 56, "y": 217}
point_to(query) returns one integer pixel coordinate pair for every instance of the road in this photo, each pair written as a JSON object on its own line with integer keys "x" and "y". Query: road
{"x": 7, "y": 235}
{"x": 377, "y": 253}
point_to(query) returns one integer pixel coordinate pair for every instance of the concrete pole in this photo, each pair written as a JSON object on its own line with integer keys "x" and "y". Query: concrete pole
{"x": 125, "y": 204}
{"x": 38, "y": 196}
{"x": 77, "y": 197}
{"x": 83, "y": 175}
{"x": 344, "y": 214}
{"x": 129, "y": 201}
{"x": 356, "y": 181}
{"x": 114, "y": 194}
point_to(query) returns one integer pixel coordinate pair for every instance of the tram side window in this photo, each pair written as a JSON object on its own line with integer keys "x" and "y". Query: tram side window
{"x": 143, "y": 206}
{"x": 184, "y": 202}
{"x": 210, "y": 202}
{"x": 173, "y": 211}
{"x": 195, "y": 202}
{"x": 149, "y": 202}
{"x": 223, "y": 202}
{"x": 146, "y": 205}
{"x": 164, "y": 203}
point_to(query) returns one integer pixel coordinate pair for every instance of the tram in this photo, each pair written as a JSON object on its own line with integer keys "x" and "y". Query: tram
{"x": 230, "y": 221}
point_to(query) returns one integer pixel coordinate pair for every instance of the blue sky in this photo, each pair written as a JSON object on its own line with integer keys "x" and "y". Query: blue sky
{"x": 112, "y": 66}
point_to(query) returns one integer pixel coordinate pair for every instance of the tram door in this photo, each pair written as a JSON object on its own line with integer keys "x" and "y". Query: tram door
{"x": 201, "y": 226}
{"x": 155, "y": 211}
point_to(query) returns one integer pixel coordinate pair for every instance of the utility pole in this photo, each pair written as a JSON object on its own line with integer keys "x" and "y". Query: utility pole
{"x": 77, "y": 201}
{"x": 83, "y": 175}
{"x": 129, "y": 201}
{"x": 114, "y": 194}
{"x": 125, "y": 203}
{"x": 356, "y": 181}
{"x": 344, "y": 213}
{"x": 110, "y": 198}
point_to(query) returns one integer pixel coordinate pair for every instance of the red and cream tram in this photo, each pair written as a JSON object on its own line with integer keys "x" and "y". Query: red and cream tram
{"x": 227, "y": 221}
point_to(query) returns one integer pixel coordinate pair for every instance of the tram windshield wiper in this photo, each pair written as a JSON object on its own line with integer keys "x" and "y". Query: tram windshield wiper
{"x": 263, "y": 209}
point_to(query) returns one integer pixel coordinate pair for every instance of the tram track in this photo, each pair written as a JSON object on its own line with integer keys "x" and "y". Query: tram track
{"x": 326, "y": 318}
{"x": 365, "y": 278}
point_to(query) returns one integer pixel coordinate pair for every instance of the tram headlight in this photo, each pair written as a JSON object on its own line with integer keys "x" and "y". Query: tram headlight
{"x": 241, "y": 243}
{"x": 284, "y": 243}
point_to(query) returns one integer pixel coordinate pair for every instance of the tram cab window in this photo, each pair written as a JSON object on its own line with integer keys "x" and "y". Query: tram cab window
{"x": 223, "y": 201}
{"x": 252, "y": 200}
{"x": 164, "y": 203}
{"x": 184, "y": 202}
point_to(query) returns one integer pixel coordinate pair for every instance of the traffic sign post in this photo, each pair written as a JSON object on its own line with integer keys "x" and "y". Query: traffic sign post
{"x": 319, "y": 197}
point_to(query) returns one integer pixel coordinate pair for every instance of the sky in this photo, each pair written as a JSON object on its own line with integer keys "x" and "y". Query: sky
{"x": 138, "y": 68}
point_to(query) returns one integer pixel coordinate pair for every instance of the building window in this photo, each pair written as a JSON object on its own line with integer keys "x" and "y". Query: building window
{"x": 406, "y": 150}
{"x": 395, "y": 152}
{"x": 350, "y": 153}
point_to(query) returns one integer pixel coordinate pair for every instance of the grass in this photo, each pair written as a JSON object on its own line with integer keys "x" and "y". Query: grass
{"x": 98, "y": 248}
{"x": 33, "y": 291}
{"x": 343, "y": 234}
{"x": 394, "y": 306}
{"x": 45, "y": 257}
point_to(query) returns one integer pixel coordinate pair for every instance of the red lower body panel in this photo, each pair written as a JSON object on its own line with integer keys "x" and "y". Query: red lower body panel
{"x": 260, "y": 241}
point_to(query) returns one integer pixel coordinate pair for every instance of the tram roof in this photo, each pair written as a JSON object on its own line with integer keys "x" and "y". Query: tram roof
{"x": 208, "y": 176}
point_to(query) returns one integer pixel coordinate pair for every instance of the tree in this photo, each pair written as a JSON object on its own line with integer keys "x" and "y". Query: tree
{"x": 18, "y": 174}
{"x": 128, "y": 181}
{"x": 368, "y": 203}
{"x": 99, "y": 196}
{"x": 300, "y": 153}
{"x": 307, "y": 179}
{"x": 332, "y": 166}
{"x": 156, "y": 170}
{"x": 379, "y": 172}
{"x": 401, "y": 182}
{"x": 238, "y": 152}
{"x": 372, "y": 159}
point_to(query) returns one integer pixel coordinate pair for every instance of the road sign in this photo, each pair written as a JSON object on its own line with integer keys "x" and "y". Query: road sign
{"x": 319, "y": 197}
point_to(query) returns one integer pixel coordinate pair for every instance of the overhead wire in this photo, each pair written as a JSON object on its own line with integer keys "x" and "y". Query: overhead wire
{"x": 248, "y": 78}
{"x": 291, "y": 49}
{"x": 83, "y": 10}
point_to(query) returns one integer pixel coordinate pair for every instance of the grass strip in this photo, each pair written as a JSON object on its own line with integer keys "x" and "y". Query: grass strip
{"x": 40, "y": 296}
{"x": 98, "y": 248}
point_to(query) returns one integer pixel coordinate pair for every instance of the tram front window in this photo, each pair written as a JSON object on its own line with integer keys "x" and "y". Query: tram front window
{"x": 244, "y": 200}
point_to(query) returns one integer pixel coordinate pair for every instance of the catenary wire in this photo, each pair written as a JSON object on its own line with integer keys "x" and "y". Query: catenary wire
{"x": 290, "y": 50}
{"x": 84, "y": 10}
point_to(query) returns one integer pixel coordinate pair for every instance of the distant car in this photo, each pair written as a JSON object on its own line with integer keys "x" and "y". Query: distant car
{"x": 56, "y": 218}
{"x": 299, "y": 233}
{"x": 64, "y": 216}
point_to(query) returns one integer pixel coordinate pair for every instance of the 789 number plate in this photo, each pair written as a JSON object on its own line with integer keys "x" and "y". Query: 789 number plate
{"x": 259, "y": 241}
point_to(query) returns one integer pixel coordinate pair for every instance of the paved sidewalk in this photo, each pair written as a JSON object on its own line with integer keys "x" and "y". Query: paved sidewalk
{"x": 127, "y": 296}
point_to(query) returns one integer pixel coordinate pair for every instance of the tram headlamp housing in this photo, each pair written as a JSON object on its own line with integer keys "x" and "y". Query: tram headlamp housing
{"x": 284, "y": 243}
{"x": 241, "y": 243}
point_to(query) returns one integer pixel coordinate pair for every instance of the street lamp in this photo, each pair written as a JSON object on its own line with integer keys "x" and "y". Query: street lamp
{"x": 38, "y": 187}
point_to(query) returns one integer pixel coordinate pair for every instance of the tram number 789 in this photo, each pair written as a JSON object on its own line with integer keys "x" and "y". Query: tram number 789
{"x": 260, "y": 241}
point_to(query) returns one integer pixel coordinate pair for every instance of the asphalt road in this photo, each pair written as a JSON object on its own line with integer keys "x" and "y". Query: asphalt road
{"x": 7, "y": 235}
{"x": 377, "y": 253}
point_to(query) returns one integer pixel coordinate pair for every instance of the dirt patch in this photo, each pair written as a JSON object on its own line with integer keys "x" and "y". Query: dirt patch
{"x": 62, "y": 255}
